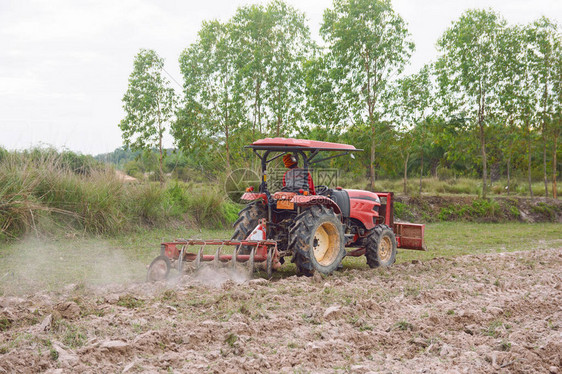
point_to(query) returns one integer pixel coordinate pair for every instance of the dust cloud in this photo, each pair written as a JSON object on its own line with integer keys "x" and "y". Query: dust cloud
{"x": 216, "y": 277}
{"x": 34, "y": 265}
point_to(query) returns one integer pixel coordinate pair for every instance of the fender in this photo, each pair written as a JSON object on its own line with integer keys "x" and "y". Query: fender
{"x": 250, "y": 196}
{"x": 302, "y": 200}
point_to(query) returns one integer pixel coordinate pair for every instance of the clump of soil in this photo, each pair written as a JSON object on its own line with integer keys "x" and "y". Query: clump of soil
{"x": 468, "y": 208}
{"x": 475, "y": 314}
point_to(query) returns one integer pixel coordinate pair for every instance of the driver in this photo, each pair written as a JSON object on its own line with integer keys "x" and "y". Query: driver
{"x": 296, "y": 179}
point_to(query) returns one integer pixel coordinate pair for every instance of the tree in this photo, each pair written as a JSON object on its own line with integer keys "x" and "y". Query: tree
{"x": 251, "y": 26}
{"x": 544, "y": 44}
{"x": 324, "y": 111}
{"x": 412, "y": 107}
{"x": 469, "y": 59}
{"x": 243, "y": 78}
{"x": 371, "y": 45}
{"x": 149, "y": 105}
{"x": 213, "y": 104}
{"x": 290, "y": 47}
{"x": 557, "y": 120}
{"x": 515, "y": 98}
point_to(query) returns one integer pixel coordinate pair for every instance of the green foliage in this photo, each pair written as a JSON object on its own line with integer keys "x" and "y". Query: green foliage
{"x": 479, "y": 209}
{"x": 130, "y": 302}
{"x": 243, "y": 78}
{"x": 72, "y": 336}
{"x": 39, "y": 194}
{"x": 370, "y": 44}
{"x": 404, "y": 325}
{"x": 149, "y": 105}
{"x": 402, "y": 211}
{"x": 468, "y": 80}
{"x": 5, "y": 324}
{"x": 546, "y": 210}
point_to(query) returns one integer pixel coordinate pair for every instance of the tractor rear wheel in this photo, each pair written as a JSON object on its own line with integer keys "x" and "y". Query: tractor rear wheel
{"x": 247, "y": 221}
{"x": 380, "y": 247}
{"x": 317, "y": 240}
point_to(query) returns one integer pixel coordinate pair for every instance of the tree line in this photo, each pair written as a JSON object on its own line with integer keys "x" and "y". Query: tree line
{"x": 489, "y": 105}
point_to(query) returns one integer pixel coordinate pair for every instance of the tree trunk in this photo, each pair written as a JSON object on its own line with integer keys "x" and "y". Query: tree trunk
{"x": 545, "y": 98}
{"x": 421, "y": 172}
{"x": 257, "y": 110}
{"x": 484, "y": 162}
{"x": 279, "y": 112}
{"x": 372, "y": 165}
{"x": 529, "y": 161}
{"x": 545, "y": 175}
{"x": 406, "y": 174}
{"x": 226, "y": 138}
{"x": 554, "y": 170}
{"x": 508, "y": 175}
{"x": 161, "y": 169}
{"x": 227, "y": 147}
{"x": 481, "y": 111}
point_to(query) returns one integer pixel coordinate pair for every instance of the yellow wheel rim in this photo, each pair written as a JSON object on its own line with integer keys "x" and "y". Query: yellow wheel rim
{"x": 385, "y": 249}
{"x": 326, "y": 243}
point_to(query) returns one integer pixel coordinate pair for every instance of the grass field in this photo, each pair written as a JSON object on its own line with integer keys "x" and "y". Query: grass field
{"x": 34, "y": 264}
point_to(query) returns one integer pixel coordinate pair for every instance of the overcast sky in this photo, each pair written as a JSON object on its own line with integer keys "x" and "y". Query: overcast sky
{"x": 64, "y": 64}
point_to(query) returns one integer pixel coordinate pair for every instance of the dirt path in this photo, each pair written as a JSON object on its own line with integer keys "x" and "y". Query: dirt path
{"x": 471, "y": 314}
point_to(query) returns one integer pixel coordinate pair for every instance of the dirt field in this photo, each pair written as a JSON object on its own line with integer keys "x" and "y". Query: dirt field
{"x": 469, "y": 314}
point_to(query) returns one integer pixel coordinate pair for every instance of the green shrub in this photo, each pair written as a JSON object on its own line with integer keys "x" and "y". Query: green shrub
{"x": 479, "y": 209}
{"x": 231, "y": 212}
{"x": 206, "y": 205}
{"x": 146, "y": 203}
{"x": 546, "y": 210}
{"x": 178, "y": 198}
{"x": 402, "y": 211}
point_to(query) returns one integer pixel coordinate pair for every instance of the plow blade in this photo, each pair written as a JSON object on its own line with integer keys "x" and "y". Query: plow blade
{"x": 239, "y": 255}
{"x": 410, "y": 236}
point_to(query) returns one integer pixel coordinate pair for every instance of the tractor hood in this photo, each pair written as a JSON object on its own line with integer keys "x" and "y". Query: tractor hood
{"x": 364, "y": 195}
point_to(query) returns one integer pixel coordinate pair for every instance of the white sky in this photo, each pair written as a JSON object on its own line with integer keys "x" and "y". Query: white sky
{"x": 64, "y": 64}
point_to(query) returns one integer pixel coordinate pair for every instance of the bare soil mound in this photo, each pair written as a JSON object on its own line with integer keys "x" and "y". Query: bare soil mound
{"x": 470, "y": 314}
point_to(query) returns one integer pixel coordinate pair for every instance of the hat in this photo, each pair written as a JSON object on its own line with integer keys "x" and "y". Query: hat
{"x": 289, "y": 160}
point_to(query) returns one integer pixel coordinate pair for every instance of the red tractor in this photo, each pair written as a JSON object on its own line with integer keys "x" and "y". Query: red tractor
{"x": 311, "y": 224}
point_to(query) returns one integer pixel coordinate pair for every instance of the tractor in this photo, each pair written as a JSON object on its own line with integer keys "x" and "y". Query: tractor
{"x": 316, "y": 226}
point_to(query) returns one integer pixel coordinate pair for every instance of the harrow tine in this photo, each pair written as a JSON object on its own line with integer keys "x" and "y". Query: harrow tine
{"x": 251, "y": 263}
{"x": 198, "y": 258}
{"x": 233, "y": 260}
{"x": 216, "y": 260}
{"x": 269, "y": 263}
{"x": 180, "y": 260}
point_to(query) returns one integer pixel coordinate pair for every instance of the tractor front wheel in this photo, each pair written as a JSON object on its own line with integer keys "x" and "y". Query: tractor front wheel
{"x": 380, "y": 247}
{"x": 317, "y": 240}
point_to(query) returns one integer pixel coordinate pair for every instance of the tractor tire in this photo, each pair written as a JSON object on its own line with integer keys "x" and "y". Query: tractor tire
{"x": 317, "y": 241}
{"x": 380, "y": 247}
{"x": 247, "y": 221}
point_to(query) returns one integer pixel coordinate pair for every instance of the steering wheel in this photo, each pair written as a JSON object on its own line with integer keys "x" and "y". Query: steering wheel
{"x": 321, "y": 190}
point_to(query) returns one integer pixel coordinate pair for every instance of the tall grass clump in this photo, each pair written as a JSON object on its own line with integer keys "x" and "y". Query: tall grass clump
{"x": 145, "y": 203}
{"x": 39, "y": 185}
{"x": 207, "y": 204}
{"x": 483, "y": 209}
{"x": 16, "y": 201}
{"x": 43, "y": 191}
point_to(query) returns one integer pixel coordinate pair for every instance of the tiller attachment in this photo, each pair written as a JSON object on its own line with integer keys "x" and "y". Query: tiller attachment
{"x": 249, "y": 255}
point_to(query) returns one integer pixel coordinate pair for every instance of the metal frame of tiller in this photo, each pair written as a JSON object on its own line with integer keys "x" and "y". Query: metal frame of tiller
{"x": 263, "y": 255}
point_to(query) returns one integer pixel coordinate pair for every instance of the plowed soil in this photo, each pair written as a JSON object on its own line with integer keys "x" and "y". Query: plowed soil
{"x": 470, "y": 314}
